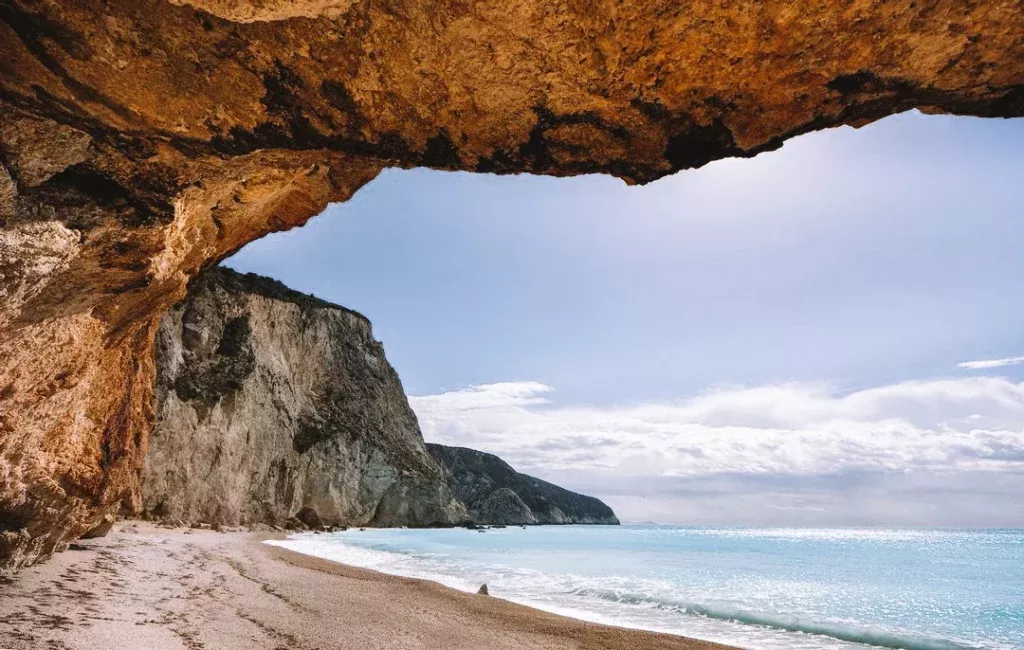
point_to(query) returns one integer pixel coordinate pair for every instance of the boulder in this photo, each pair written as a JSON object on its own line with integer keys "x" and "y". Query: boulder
{"x": 294, "y": 524}
{"x": 309, "y": 517}
{"x": 101, "y": 529}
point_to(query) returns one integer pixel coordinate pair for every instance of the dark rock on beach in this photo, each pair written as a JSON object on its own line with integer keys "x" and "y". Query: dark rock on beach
{"x": 309, "y": 517}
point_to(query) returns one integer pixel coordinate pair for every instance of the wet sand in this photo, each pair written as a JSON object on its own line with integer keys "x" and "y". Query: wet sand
{"x": 151, "y": 588}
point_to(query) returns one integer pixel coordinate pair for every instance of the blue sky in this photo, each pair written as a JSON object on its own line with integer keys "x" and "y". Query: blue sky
{"x": 845, "y": 265}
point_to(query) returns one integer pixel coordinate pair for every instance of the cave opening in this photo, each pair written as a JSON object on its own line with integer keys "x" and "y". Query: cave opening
{"x": 849, "y": 263}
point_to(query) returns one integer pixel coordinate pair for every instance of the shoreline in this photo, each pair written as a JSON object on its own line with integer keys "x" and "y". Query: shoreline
{"x": 169, "y": 589}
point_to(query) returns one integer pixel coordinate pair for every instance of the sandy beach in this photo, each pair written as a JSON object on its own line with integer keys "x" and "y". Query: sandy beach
{"x": 152, "y": 588}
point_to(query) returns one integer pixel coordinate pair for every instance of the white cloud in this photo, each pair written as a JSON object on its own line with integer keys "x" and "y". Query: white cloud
{"x": 990, "y": 363}
{"x": 793, "y": 432}
{"x": 509, "y": 394}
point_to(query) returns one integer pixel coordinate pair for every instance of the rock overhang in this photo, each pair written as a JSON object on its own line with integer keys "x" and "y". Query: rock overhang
{"x": 143, "y": 141}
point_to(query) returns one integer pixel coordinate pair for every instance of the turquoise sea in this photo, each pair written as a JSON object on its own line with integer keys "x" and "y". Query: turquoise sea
{"x": 770, "y": 588}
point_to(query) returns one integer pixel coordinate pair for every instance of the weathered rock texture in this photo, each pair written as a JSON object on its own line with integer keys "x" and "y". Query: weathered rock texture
{"x": 494, "y": 493}
{"x": 143, "y": 139}
{"x": 270, "y": 402}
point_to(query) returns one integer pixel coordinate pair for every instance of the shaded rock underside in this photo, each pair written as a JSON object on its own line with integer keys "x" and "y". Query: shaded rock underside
{"x": 142, "y": 140}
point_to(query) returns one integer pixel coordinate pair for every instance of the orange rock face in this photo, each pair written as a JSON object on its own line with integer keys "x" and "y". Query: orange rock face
{"x": 143, "y": 139}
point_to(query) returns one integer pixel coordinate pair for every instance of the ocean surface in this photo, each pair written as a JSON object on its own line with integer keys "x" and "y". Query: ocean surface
{"x": 772, "y": 588}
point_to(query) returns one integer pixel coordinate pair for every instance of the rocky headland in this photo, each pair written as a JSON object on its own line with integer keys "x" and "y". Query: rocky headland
{"x": 494, "y": 493}
{"x": 275, "y": 407}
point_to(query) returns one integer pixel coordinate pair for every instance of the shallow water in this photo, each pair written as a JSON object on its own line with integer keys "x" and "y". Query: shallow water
{"x": 769, "y": 588}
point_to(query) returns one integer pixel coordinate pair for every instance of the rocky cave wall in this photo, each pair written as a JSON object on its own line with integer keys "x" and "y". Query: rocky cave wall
{"x": 142, "y": 140}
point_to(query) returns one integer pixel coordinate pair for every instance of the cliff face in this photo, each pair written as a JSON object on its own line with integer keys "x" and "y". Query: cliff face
{"x": 141, "y": 140}
{"x": 494, "y": 493}
{"x": 269, "y": 401}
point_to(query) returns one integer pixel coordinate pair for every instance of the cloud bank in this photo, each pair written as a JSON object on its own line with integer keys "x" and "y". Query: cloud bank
{"x": 944, "y": 451}
{"x": 991, "y": 363}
